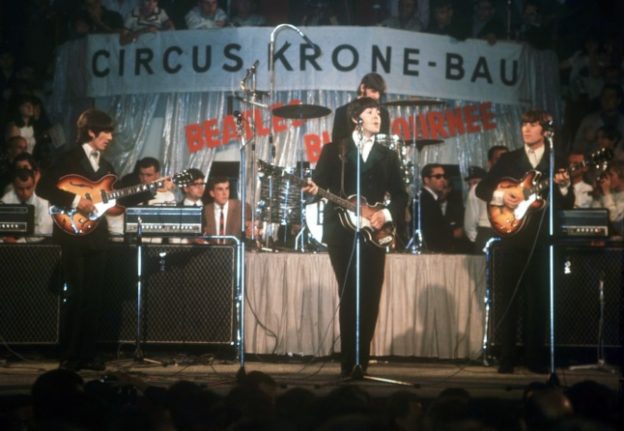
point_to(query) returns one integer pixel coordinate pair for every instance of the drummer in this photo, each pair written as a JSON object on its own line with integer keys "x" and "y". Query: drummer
{"x": 372, "y": 85}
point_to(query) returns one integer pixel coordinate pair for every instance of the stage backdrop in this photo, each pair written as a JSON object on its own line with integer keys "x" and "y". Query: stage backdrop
{"x": 173, "y": 93}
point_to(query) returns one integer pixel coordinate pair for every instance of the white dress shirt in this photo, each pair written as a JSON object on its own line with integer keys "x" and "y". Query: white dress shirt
{"x": 43, "y": 220}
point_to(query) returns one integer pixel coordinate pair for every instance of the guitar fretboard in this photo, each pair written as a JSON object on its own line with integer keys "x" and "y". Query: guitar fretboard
{"x": 132, "y": 190}
{"x": 344, "y": 203}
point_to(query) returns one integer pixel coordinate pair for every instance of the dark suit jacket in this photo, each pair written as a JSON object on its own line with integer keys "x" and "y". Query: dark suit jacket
{"x": 435, "y": 228}
{"x": 343, "y": 126}
{"x": 515, "y": 164}
{"x": 380, "y": 174}
{"x": 75, "y": 162}
{"x": 233, "y": 222}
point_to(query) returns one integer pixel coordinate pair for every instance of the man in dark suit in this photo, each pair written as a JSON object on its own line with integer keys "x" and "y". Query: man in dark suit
{"x": 373, "y": 86}
{"x": 380, "y": 174}
{"x": 194, "y": 190}
{"x": 524, "y": 255}
{"x": 223, "y": 215}
{"x": 84, "y": 255}
{"x": 436, "y": 230}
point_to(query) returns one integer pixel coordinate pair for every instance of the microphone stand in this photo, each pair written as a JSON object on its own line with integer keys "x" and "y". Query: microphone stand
{"x": 548, "y": 135}
{"x": 251, "y": 73}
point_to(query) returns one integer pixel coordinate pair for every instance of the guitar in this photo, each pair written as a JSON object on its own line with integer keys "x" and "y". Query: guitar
{"x": 104, "y": 198}
{"x": 509, "y": 221}
{"x": 382, "y": 238}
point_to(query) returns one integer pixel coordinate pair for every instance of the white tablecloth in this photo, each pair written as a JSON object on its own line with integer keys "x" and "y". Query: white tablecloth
{"x": 431, "y": 305}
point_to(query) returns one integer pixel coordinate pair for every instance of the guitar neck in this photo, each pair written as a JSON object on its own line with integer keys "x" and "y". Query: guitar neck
{"x": 133, "y": 190}
{"x": 335, "y": 199}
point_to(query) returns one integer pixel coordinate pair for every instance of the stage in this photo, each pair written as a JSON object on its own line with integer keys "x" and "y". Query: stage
{"x": 426, "y": 378}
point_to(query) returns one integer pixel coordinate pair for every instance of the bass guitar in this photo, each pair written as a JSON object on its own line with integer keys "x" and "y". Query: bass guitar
{"x": 509, "y": 221}
{"x": 382, "y": 238}
{"x": 104, "y": 198}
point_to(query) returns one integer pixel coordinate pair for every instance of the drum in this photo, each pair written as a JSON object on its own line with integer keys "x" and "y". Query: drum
{"x": 314, "y": 220}
{"x": 280, "y": 199}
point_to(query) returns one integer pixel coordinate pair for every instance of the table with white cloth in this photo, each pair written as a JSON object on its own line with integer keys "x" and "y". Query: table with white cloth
{"x": 431, "y": 305}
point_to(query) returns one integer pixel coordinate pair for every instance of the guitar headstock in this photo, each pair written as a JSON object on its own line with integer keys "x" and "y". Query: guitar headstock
{"x": 182, "y": 179}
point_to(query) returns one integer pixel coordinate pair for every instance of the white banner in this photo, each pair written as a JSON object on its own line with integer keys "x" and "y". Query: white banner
{"x": 216, "y": 60}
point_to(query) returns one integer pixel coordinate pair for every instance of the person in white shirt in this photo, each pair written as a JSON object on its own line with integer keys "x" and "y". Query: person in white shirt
{"x": 205, "y": 15}
{"x": 476, "y": 222}
{"x": 148, "y": 18}
{"x": 583, "y": 192}
{"x": 23, "y": 192}
{"x": 611, "y": 196}
{"x": 194, "y": 191}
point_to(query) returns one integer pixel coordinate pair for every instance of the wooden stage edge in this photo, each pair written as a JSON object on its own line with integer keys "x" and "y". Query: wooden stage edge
{"x": 426, "y": 377}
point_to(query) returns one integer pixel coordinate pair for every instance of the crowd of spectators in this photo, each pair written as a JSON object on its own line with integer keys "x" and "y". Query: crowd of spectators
{"x": 62, "y": 400}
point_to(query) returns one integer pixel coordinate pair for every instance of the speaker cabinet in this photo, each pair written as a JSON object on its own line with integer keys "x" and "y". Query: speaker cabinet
{"x": 188, "y": 294}
{"x": 581, "y": 270}
{"x": 31, "y": 283}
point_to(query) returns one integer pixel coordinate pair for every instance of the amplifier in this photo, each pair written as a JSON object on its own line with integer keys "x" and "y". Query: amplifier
{"x": 584, "y": 222}
{"x": 17, "y": 219}
{"x": 175, "y": 221}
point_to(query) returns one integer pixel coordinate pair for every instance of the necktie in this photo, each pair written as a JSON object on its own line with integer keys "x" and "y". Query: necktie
{"x": 221, "y": 224}
{"x": 95, "y": 155}
{"x": 532, "y": 157}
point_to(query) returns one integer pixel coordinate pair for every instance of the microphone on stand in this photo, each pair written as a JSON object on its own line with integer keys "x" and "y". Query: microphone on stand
{"x": 250, "y": 72}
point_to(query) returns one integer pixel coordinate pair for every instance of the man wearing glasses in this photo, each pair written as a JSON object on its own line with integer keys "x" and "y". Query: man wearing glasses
{"x": 194, "y": 191}
{"x": 437, "y": 233}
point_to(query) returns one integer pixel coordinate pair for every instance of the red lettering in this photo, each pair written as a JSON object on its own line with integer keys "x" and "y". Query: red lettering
{"x": 400, "y": 127}
{"x": 487, "y": 116}
{"x": 194, "y": 138}
{"x": 436, "y": 124}
{"x": 454, "y": 122}
{"x": 470, "y": 119}
{"x": 422, "y": 119}
{"x": 259, "y": 123}
{"x": 211, "y": 133}
{"x": 230, "y": 130}
{"x": 312, "y": 144}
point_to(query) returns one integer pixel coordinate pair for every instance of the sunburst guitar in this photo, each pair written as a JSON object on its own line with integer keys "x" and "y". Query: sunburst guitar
{"x": 104, "y": 199}
{"x": 509, "y": 221}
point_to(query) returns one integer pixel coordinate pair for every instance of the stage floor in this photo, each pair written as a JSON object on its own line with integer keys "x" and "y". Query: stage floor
{"x": 427, "y": 378}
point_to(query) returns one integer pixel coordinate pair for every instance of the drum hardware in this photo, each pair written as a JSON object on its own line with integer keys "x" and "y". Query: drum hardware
{"x": 252, "y": 102}
{"x": 301, "y": 112}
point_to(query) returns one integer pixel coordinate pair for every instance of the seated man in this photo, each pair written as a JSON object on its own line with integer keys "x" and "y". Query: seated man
{"x": 194, "y": 191}
{"x": 147, "y": 18}
{"x": 611, "y": 196}
{"x": 223, "y": 215}
{"x": 205, "y": 15}
{"x": 583, "y": 192}
{"x": 23, "y": 192}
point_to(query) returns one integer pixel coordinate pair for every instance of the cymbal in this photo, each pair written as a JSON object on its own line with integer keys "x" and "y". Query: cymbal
{"x": 414, "y": 102}
{"x": 301, "y": 112}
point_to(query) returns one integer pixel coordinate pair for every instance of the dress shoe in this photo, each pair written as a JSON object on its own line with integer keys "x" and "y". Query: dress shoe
{"x": 70, "y": 364}
{"x": 538, "y": 369}
{"x": 505, "y": 368}
{"x": 93, "y": 365}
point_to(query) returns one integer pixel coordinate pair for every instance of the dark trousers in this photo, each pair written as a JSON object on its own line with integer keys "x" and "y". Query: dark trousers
{"x": 522, "y": 298}
{"x": 343, "y": 260}
{"x": 84, "y": 274}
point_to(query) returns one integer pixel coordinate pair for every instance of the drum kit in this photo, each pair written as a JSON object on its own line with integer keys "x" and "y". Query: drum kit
{"x": 283, "y": 204}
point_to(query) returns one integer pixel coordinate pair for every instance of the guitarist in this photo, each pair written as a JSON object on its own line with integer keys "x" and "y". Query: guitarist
{"x": 380, "y": 174}
{"x": 524, "y": 256}
{"x": 83, "y": 257}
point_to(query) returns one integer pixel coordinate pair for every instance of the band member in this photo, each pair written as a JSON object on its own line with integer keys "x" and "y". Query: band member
{"x": 524, "y": 255}
{"x": 194, "y": 191}
{"x": 380, "y": 175}
{"x": 372, "y": 86}
{"x": 223, "y": 215}
{"x": 83, "y": 257}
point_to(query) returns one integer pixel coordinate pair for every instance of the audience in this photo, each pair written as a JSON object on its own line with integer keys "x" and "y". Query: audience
{"x": 148, "y": 18}
{"x": 608, "y": 115}
{"x": 246, "y": 14}
{"x": 206, "y": 14}
{"x": 407, "y": 18}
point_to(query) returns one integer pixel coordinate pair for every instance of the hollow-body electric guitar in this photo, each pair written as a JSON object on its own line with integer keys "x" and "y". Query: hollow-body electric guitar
{"x": 382, "y": 238}
{"x": 509, "y": 221}
{"x": 104, "y": 198}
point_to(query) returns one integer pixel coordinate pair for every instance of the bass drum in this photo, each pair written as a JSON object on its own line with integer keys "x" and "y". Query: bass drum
{"x": 314, "y": 221}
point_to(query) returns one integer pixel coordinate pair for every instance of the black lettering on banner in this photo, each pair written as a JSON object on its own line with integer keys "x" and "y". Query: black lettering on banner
{"x": 167, "y": 67}
{"x": 384, "y": 61}
{"x": 481, "y": 70}
{"x": 354, "y": 54}
{"x": 454, "y": 66}
{"x": 207, "y": 59}
{"x": 228, "y": 52}
{"x": 514, "y": 72}
{"x": 309, "y": 58}
{"x": 143, "y": 58}
{"x": 279, "y": 55}
{"x": 100, "y": 73}
{"x": 408, "y": 60}
{"x": 122, "y": 62}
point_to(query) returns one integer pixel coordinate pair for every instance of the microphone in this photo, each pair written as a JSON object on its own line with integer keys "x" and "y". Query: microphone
{"x": 306, "y": 38}
{"x": 549, "y": 128}
{"x": 238, "y": 115}
{"x": 249, "y": 73}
